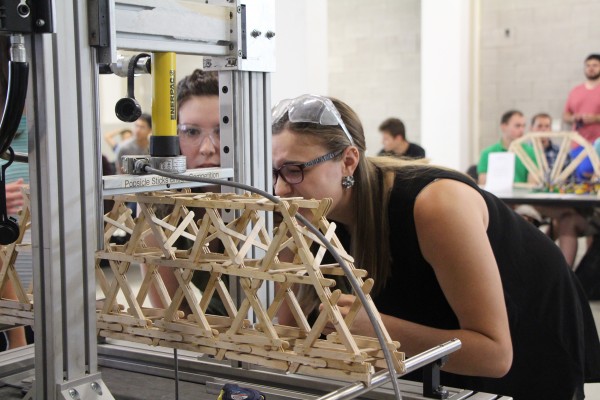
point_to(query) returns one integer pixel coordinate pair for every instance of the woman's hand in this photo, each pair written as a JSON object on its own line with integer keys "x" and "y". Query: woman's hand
{"x": 14, "y": 196}
{"x": 360, "y": 326}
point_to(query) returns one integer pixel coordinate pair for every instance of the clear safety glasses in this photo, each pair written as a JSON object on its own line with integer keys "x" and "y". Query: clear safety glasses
{"x": 195, "y": 135}
{"x": 310, "y": 108}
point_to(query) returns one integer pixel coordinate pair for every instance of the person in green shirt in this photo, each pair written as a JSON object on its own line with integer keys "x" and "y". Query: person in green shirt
{"x": 512, "y": 126}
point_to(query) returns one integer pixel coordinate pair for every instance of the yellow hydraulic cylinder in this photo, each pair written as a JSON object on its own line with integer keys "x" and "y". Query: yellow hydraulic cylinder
{"x": 164, "y": 140}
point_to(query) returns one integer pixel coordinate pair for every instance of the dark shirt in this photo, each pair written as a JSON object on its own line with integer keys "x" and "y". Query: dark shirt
{"x": 549, "y": 317}
{"x": 413, "y": 151}
{"x": 551, "y": 153}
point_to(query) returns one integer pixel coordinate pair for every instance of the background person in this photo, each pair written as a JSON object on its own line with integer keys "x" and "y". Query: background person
{"x": 138, "y": 144}
{"x": 512, "y": 127}
{"x": 393, "y": 138}
{"x": 582, "y": 109}
{"x": 199, "y": 141}
{"x": 198, "y": 119}
{"x": 117, "y": 136}
{"x": 568, "y": 224}
{"x": 516, "y": 309}
{"x": 542, "y": 122}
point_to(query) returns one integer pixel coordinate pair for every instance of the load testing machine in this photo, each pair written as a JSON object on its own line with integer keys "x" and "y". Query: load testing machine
{"x": 88, "y": 314}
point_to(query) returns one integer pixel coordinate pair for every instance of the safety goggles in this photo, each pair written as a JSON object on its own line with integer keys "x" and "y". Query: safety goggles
{"x": 194, "y": 134}
{"x": 310, "y": 108}
{"x": 293, "y": 173}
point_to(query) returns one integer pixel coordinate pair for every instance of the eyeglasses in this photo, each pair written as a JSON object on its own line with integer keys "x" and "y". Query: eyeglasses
{"x": 293, "y": 173}
{"x": 310, "y": 108}
{"x": 196, "y": 135}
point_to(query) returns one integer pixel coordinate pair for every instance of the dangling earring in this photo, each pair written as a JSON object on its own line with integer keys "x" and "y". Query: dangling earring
{"x": 347, "y": 182}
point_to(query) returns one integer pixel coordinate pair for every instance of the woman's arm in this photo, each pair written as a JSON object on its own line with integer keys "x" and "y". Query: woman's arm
{"x": 451, "y": 221}
{"x": 14, "y": 196}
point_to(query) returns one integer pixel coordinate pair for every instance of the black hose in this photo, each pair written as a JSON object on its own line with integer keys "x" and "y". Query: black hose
{"x": 18, "y": 77}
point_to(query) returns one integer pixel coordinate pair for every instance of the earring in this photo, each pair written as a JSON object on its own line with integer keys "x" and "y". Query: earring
{"x": 347, "y": 181}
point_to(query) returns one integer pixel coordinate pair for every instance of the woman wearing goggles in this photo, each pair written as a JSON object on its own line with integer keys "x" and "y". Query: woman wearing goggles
{"x": 198, "y": 120}
{"x": 448, "y": 259}
{"x": 198, "y": 130}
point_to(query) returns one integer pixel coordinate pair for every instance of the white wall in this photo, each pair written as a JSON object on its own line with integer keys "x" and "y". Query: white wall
{"x": 302, "y": 62}
{"x": 375, "y": 64}
{"x": 446, "y": 81}
{"x": 369, "y": 55}
{"x": 532, "y": 54}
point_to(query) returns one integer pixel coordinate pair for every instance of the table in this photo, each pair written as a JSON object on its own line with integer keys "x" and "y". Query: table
{"x": 521, "y": 195}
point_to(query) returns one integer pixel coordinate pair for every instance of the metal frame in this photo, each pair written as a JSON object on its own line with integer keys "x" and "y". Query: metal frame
{"x": 65, "y": 172}
{"x": 214, "y": 374}
{"x": 63, "y": 175}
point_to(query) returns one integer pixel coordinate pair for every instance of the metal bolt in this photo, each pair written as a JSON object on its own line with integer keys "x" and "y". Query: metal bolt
{"x": 239, "y": 53}
{"x": 255, "y": 33}
{"x": 270, "y": 34}
{"x": 96, "y": 388}
{"x": 239, "y": 10}
{"x": 74, "y": 394}
{"x": 40, "y": 22}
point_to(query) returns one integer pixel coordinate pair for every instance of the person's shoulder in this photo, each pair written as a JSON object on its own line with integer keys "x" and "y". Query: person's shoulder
{"x": 578, "y": 88}
{"x": 125, "y": 146}
{"x": 492, "y": 148}
{"x": 445, "y": 195}
{"x": 528, "y": 148}
{"x": 416, "y": 150}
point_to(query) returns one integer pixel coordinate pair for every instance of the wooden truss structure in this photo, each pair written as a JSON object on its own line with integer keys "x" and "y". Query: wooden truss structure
{"x": 563, "y": 167}
{"x": 296, "y": 349}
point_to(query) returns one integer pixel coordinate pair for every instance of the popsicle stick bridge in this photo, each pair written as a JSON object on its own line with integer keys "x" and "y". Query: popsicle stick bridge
{"x": 296, "y": 349}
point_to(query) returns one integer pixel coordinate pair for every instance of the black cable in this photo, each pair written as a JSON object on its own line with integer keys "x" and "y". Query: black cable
{"x": 18, "y": 76}
{"x": 349, "y": 275}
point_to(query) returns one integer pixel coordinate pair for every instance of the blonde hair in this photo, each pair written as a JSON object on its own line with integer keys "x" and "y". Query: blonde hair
{"x": 373, "y": 182}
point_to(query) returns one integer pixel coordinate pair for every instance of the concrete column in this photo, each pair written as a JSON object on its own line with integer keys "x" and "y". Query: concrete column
{"x": 449, "y": 79}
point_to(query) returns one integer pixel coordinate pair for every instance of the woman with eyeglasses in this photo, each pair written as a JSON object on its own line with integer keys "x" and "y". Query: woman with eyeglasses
{"x": 198, "y": 119}
{"x": 449, "y": 260}
{"x": 199, "y": 141}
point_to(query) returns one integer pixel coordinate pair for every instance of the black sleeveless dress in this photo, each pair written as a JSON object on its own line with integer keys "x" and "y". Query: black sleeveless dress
{"x": 555, "y": 343}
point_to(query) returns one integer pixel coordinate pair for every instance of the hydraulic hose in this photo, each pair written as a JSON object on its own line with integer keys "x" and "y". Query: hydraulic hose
{"x": 18, "y": 77}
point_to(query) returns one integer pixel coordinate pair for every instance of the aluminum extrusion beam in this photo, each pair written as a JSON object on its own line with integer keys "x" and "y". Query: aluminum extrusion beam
{"x": 63, "y": 178}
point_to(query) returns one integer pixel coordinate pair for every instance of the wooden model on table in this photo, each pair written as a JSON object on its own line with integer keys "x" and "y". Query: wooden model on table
{"x": 563, "y": 167}
{"x": 298, "y": 349}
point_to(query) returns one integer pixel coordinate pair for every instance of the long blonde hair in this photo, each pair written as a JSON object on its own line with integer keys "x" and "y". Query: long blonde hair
{"x": 373, "y": 182}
